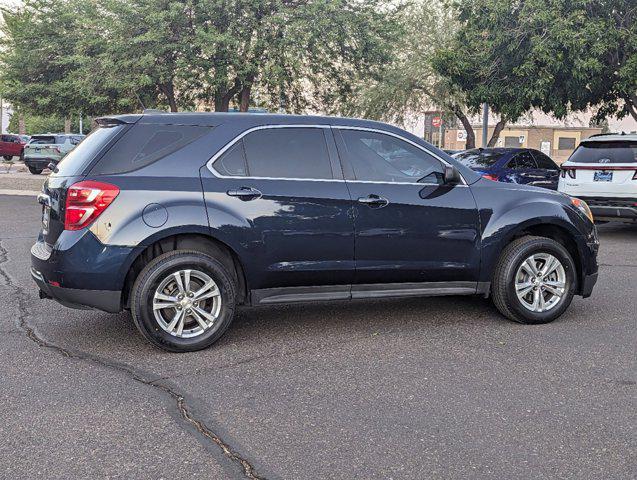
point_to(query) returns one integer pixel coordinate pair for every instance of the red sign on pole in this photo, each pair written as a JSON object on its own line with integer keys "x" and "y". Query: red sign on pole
{"x": 436, "y": 122}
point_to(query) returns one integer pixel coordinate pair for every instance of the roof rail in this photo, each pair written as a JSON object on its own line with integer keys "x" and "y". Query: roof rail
{"x": 608, "y": 133}
{"x": 153, "y": 110}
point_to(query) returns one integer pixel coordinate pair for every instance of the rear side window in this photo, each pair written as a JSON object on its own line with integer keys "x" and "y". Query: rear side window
{"x": 81, "y": 156}
{"x": 278, "y": 153}
{"x": 42, "y": 140}
{"x": 143, "y": 144}
{"x": 605, "y": 152}
{"x": 522, "y": 161}
{"x": 543, "y": 161}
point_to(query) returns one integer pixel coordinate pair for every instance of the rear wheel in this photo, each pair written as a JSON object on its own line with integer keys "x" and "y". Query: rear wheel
{"x": 183, "y": 301}
{"x": 534, "y": 280}
{"x": 7, "y": 157}
{"x": 35, "y": 171}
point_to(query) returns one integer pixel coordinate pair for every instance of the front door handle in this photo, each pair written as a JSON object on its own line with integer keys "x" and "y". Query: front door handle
{"x": 374, "y": 201}
{"x": 245, "y": 193}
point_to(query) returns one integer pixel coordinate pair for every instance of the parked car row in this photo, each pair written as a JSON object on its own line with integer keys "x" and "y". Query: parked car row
{"x": 38, "y": 151}
{"x": 601, "y": 171}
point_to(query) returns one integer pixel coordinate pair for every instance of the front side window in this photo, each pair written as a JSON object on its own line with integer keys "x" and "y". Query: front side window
{"x": 522, "y": 161}
{"x": 383, "y": 158}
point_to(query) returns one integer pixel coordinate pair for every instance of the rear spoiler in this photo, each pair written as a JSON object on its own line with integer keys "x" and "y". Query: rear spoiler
{"x": 118, "y": 120}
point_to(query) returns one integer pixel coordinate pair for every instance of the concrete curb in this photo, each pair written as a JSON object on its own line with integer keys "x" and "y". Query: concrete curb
{"x": 24, "y": 193}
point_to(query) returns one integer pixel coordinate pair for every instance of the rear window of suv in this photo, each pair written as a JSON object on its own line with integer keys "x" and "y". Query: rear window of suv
{"x": 605, "y": 152}
{"x": 477, "y": 158}
{"x": 42, "y": 140}
{"x": 144, "y": 144}
{"x": 81, "y": 156}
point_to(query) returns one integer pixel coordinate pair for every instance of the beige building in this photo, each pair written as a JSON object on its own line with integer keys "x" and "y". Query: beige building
{"x": 557, "y": 142}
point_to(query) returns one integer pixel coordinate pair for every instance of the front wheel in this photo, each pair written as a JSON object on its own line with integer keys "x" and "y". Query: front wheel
{"x": 534, "y": 280}
{"x": 35, "y": 171}
{"x": 183, "y": 301}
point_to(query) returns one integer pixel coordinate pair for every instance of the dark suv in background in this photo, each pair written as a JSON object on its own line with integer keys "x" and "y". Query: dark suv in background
{"x": 182, "y": 217}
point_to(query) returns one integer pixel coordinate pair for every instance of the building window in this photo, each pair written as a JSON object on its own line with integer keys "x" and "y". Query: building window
{"x": 565, "y": 143}
{"x": 512, "y": 142}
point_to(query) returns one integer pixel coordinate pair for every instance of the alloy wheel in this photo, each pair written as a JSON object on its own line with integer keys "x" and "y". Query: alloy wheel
{"x": 187, "y": 303}
{"x": 540, "y": 282}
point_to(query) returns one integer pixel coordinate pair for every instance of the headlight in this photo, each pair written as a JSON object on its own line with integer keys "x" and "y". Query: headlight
{"x": 582, "y": 207}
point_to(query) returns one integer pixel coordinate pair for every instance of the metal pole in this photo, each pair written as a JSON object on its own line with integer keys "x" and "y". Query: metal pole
{"x": 440, "y": 133}
{"x": 1, "y": 116}
{"x": 81, "y": 128}
{"x": 485, "y": 124}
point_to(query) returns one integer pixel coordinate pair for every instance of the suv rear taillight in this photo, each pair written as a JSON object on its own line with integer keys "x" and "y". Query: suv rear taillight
{"x": 635, "y": 176}
{"x": 568, "y": 171}
{"x": 85, "y": 201}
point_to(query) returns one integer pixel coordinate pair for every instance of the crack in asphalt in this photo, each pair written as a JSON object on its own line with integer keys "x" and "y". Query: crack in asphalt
{"x": 185, "y": 412}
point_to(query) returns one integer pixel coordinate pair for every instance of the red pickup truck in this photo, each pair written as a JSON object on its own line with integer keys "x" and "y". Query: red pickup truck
{"x": 11, "y": 146}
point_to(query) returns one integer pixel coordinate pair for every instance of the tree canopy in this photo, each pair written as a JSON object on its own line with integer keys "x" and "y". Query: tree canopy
{"x": 556, "y": 55}
{"x": 61, "y": 56}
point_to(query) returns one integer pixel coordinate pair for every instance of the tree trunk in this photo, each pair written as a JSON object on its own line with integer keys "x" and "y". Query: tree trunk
{"x": 631, "y": 104}
{"x": 222, "y": 100}
{"x": 244, "y": 103}
{"x": 67, "y": 125}
{"x": 496, "y": 133}
{"x": 22, "y": 128}
{"x": 168, "y": 89}
{"x": 471, "y": 136}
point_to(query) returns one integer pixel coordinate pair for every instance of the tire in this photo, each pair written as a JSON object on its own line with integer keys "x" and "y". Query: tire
{"x": 35, "y": 171}
{"x": 510, "y": 270}
{"x": 7, "y": 157}
{"x": 161, "y": 270}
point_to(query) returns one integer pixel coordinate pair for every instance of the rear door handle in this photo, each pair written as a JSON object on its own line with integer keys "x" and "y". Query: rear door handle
{"x": 374, "y": 201}
{"x": 245, "y": 193}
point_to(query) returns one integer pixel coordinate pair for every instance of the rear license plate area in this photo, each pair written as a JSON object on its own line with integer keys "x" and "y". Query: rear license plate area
{"x": 603, "y": 176}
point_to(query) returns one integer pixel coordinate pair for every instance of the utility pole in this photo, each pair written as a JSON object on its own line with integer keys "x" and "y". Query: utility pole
{"x": 1, "y": 116}
{"x": 81, "y": 127}
{"x": 485, "y": 124}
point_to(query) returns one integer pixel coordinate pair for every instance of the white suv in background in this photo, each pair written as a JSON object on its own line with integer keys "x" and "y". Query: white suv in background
{"x": 602, "y": 171}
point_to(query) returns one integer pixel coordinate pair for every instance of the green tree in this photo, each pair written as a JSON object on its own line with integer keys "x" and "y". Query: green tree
{"x": 113, "y": 55}
{"x": 410, "y": 84}
{"x": 556, "y": 55}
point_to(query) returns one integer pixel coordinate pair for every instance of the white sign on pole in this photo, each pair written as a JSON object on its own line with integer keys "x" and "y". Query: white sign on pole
{"x": 545, "y": 147}
{"x": 461, "y": 135}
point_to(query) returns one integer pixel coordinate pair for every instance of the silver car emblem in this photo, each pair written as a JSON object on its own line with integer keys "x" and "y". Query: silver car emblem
{"x": 604, "y": 160}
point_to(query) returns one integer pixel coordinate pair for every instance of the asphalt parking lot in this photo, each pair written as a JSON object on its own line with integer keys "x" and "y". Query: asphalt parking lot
{"x": 399, "y": 389}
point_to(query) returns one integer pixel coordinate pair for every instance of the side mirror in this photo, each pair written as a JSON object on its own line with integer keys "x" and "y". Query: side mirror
{"x": 452, "y": 175}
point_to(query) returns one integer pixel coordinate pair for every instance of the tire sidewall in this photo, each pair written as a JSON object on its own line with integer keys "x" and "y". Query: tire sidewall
{"x": 535, "y": 247}
{"x": 149, "y": 280}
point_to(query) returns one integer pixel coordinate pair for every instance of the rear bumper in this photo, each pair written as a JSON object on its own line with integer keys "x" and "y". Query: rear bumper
{"x": 603, "y": 208}
{"x": 40, "y": 162}
{"x": 79, "y": 271}
{"x": 106, "y": 300}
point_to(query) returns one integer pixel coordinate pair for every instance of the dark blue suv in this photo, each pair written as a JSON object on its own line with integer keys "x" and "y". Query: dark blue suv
{"x": 183, "y": 217}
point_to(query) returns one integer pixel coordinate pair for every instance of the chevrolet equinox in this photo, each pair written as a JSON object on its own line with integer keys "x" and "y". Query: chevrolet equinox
{"x": 182, "y": 217}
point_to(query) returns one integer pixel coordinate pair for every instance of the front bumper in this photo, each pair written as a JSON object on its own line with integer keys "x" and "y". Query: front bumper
{"x": 106, "y": 300}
